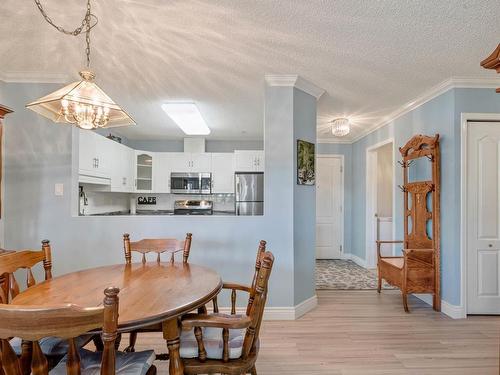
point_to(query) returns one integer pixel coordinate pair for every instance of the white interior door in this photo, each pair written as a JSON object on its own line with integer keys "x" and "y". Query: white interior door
{"x": 483, "y": 224}
{"x": 328, "y": 208}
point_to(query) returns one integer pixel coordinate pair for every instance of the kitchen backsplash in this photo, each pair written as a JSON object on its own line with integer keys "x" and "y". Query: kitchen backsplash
{"x": 222, "y": 202}
{"x": 104, "y": 202}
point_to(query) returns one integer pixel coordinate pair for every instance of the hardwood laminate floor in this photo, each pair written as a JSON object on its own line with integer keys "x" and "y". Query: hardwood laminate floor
{"x": 361, "y": 332}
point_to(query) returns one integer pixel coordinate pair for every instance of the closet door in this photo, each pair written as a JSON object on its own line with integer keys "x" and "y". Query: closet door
{"x": 483, "y": 218}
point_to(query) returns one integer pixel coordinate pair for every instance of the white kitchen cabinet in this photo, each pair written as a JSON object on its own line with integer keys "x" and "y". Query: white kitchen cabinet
{"x": 190, "y": 162}
{"x": 94, "y": 155}
{"x": 144, "y": 161}
{"x": 161, "y": 172}
{"x": 222, "y": 172}
{"x": 249, "y": 160}
{"x": 201, "y": 162}
{"x": 179, "y": 161}
{"x": 122, "y": 172}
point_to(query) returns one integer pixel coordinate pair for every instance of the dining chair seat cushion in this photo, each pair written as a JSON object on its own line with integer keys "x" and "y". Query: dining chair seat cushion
{"x": 212, "y": 340}
{"x": 52, "y": 346}
{"x": 136, "y": 363}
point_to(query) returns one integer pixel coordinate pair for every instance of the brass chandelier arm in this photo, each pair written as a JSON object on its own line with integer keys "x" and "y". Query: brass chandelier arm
{"x": 88, "y": 23}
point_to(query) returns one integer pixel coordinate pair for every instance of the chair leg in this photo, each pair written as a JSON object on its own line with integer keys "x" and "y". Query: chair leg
{"x": 131, "y": 342}
{"x": 99, "y": 345}
{"x": 379, "y": 281}
{"x": 405, "y": 302}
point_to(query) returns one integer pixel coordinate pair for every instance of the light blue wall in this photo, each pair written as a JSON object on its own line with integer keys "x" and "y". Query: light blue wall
{"x": 38, "y": 154}
{"x": 346, "y": 151}
{"x": 304, "y": 208}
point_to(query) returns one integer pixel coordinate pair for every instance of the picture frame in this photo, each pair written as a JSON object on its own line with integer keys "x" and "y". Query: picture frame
{"x": 306, "y": 163}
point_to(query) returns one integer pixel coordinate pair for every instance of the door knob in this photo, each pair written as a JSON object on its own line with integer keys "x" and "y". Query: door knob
{"x": 490, "y": 245}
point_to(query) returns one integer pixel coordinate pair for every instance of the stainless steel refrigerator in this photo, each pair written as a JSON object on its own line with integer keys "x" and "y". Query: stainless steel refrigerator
{"x": 249, "y": 189}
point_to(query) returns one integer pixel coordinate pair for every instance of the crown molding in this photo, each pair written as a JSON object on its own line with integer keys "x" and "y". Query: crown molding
{"x": 334, "y": 141}
{"x": 33, "y": 77}
{"x": 426, "y": 96}
{"x": 294, "y": 80}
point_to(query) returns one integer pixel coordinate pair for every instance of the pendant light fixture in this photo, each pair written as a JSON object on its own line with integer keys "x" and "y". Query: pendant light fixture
{"x": 81, "y": 103}
{"x": 341, "y": 127}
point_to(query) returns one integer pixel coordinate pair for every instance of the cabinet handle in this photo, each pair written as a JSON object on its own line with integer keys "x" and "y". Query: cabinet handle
{"x": 97, "y": 162}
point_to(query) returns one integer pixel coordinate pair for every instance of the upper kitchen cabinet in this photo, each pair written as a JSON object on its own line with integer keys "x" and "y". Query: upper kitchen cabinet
{"x": 94, "y": 155}
{"x": 122, "y": 173}
{"x": 222, "y": 172}
{"x": 161, "y": 171}
{"x": 249, "y": 160}
{"x": 190, "y": 162}
{"x": 144, "y": 171}
{"x": 201, "y": 162}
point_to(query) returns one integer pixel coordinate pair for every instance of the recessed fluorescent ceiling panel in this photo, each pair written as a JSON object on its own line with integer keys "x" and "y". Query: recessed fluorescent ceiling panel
{"x": 187, "y": 117}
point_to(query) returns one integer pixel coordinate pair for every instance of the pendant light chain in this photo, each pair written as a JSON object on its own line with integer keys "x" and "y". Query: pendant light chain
{"x": 86, "y": 24}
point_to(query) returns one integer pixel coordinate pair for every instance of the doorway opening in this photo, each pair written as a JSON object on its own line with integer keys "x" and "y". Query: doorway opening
{"x": 380, "y": 193}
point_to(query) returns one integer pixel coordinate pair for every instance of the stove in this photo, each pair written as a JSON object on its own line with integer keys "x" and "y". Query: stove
{"x": 193, "y": 207}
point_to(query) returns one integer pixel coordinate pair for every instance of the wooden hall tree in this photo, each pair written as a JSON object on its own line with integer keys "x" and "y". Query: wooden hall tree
{"x": 418, "y": 270}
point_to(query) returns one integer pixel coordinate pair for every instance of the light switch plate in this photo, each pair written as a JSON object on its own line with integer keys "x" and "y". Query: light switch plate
{"x": 59, "y": 190}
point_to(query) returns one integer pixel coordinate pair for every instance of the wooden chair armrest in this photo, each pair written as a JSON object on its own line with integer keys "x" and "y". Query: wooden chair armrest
{"x": 190, "y": 321}
{"x": 235, "y": 286}
{"x": 380, "y": 242}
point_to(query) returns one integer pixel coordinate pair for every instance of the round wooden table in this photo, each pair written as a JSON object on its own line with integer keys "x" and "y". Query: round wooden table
{"x": 149, "y": 293}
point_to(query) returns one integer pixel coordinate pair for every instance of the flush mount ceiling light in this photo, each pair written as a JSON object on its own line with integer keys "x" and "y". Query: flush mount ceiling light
{"x": 187, "y": 116}
{"x": 81, "y": 103}
{"x": 341, "y": 127}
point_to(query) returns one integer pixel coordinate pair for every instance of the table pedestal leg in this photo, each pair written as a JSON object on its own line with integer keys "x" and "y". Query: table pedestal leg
{"x": 171, "y": 334}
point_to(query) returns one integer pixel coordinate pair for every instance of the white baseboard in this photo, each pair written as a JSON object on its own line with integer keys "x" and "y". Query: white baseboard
{"x": 281, "y": 313}
{"x": 355, "y": 259}
{"x": 453, "y": 311}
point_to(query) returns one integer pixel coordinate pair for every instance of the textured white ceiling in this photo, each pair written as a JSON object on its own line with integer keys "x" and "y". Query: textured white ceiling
{"x": 370, "y": 56}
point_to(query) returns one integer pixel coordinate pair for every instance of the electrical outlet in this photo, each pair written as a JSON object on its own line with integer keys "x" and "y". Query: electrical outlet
{"x": 59, "y": 190}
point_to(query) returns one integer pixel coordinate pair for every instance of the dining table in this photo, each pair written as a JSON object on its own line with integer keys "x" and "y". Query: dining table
{"x": 150, "y": 293}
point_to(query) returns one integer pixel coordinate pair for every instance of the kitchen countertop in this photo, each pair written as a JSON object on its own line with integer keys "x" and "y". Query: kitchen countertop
{"x": 159, "y": 213}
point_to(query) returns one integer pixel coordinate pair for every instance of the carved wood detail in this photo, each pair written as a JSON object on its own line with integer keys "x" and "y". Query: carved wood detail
{"x": 493, "y": 62}
{"x": 418, "y": 270}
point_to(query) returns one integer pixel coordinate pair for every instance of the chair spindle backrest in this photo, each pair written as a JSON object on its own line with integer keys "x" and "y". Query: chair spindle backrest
{"x": 259, "y": 302}
{"x": 32, "y": 323}
{"x": 158, "y": 246}
{"x": 258, "y": 261}
{"x": 24, "y": 259}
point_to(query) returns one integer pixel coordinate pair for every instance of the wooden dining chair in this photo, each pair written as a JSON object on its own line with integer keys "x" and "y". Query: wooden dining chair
{"x": 233, "y": 287}
{"x": 157, "y": 245}
{"x": 170, "y": 246}
{"x": 227, "y": 343}
{"x": 23, "y": 259}
{"x": 54, "y": 348}
{"x": 33, "y": 323}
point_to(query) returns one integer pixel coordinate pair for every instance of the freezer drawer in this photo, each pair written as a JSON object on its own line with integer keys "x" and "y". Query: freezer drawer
{"x": 249, "y": 208}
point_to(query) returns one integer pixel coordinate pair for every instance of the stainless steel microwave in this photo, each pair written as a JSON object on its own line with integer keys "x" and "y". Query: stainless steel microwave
{"x": 191, "y": 183}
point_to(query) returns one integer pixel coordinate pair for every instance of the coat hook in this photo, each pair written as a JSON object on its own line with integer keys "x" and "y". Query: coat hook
{"x": 430, "y": 157}
{"x": 401, "y": 163}
{"x": 402, "y": 188}
{"x": 410, "y": 162}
